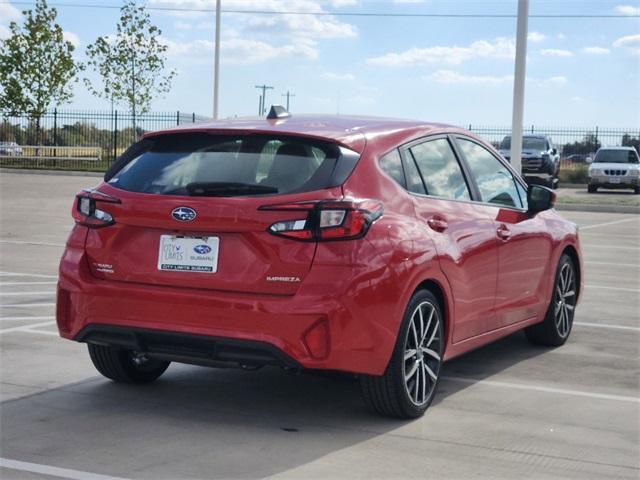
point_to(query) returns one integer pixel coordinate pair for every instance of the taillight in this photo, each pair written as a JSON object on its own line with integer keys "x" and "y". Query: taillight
{"x": 86, "y": 209}
{"x": 326, "y": 220}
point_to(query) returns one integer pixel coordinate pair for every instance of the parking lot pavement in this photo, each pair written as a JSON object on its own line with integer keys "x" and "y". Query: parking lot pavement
{"x": 506, "y": 410}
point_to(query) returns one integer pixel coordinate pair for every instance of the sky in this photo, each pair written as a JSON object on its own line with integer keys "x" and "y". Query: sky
{"x": 580, "y": 71}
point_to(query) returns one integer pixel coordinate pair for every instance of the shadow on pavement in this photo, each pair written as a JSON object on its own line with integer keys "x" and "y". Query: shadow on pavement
{"x": 208, "y": 423}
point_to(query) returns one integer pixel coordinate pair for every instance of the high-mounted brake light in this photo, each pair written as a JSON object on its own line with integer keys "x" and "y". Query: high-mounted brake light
{"x": 85, "y": 211}
{"x": 326, "y": 220}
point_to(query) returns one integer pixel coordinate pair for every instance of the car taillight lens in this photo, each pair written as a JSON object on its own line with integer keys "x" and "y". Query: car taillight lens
{"x": 86, "y": 210}
{"x": 326, "y": 220}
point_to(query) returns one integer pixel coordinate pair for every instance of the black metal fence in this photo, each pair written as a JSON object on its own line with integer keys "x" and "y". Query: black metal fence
{"x": 574, "y": 144}
{"x": 91, "y": 140}
{"x": 78, "y": 139}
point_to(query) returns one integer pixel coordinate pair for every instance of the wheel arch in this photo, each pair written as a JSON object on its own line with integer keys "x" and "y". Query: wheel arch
{"x": 439, "y": 292}
{"x": 571, "y": 251}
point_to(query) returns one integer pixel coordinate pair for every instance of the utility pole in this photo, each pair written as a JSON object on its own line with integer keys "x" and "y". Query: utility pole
{"x": 264, "y": 89}
{"x": 288, "y": 94}
{"x": 518, "y": 85}
{"x": 216, "y": 63}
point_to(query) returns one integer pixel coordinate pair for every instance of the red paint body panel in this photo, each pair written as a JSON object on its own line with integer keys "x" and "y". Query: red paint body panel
{"x": 358, "y": 289}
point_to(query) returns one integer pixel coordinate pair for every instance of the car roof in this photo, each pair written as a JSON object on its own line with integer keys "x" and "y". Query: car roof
{"x": 350, "y": 131}
{"x": 616, "y": 148}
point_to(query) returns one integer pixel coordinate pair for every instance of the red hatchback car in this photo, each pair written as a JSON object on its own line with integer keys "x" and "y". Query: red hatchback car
{"x": 372, "y": 246}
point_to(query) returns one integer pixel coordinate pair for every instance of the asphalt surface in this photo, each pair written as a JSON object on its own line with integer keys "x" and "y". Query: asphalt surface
{"x": 504, "y": 411}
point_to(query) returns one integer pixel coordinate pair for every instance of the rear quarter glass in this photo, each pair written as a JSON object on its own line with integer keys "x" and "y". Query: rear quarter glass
{"x": 261, "y": 164}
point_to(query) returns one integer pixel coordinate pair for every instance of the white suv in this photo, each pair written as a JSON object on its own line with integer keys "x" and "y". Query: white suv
{"x": 615, "y": 167}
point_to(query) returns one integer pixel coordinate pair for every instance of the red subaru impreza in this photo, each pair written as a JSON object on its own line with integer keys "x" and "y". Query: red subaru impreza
{"x": 371, "y": 246}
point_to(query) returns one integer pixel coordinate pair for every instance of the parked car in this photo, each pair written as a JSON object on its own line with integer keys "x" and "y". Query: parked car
{"x": 540, "y": 159}
{"x": 11, "y": 149}
{"x": 577, "y": 158}
{"x": 371, "y": 246}
{"x": 615, "y": 167}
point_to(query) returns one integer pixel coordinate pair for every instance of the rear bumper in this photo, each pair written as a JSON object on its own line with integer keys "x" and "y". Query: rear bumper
{"x": 336, "y": 321}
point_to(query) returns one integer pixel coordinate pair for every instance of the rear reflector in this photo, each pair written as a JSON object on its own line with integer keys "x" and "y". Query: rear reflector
{"x": 327, "y": 220}
{"x": 316, "y": 339}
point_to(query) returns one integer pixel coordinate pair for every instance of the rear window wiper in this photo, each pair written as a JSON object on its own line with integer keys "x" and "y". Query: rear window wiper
{"x": 227, "y": 189}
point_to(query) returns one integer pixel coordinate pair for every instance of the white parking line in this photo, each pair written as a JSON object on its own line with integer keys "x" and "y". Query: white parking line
{"x": 53, "y": 471}
{"x": 16, "y": 319}
{"x": 614, "y": 222}
{"x": 20, "y": 274}
{"x": 609, "y": 247}
{"x": 20, "y": 294}
{"x": 620, "y": 289}
{"x": 42, "y": 332}
{"x": 537, "y": 388}
{"x": 7, "y": 284}
{"x": 20, "y": 242}
{"x": 630, "y": 265}
{"x": 608, "y": 235}
{"x": 28, "y": 305}
{"x": 23, "y": 328}
{"x": 607, "y": 325}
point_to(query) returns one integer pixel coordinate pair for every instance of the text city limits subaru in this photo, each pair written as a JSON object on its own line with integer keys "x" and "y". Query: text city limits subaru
{"x": 376, "y": 247}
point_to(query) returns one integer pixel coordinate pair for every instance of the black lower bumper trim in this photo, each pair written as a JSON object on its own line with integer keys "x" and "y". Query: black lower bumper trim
{"x": 188, "y": 348}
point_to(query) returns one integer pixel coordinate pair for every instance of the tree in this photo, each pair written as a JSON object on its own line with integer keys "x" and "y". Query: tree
{"x": 36, "y": 65}
{"x": 588, "y": 145}
{"x": 131, "y": 62}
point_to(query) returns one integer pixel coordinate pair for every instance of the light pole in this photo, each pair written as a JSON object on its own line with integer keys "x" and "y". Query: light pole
{"x": 216, "y": 63}
{"x": 263, "y": 103}
{"x": 518, "y": 85}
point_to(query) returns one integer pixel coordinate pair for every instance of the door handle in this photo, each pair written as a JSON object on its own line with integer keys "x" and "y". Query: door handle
{"x": 438, "y": 224}
{"x": 503, "y": 232}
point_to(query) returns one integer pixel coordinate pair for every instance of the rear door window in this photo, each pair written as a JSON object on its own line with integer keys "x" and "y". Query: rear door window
{"x": 228, "y": 165}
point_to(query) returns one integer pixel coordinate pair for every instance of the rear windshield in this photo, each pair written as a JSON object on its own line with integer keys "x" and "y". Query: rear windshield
{"x": 616, "y": 156}
{"x": 223, "y": 165}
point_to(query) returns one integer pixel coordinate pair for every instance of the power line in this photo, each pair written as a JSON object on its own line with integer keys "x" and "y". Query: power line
{"x": 262, "y": 109}
{"x": 334, "y": 13}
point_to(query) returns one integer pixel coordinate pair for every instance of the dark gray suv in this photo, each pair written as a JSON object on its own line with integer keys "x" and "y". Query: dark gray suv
{"x": 540, "y": 159}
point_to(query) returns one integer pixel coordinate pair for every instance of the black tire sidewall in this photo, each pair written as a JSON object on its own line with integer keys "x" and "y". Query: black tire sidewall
{"x": 396, "y": 363}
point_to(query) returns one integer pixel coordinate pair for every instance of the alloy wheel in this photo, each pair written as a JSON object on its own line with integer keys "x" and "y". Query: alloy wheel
{"x": 422, "y": 349}
{"x": 565, "y": 299}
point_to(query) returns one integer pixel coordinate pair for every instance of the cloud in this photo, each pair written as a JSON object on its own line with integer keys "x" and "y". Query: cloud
{"x": 338, "y": 76}
{"x": 561, "y": 36}
{"x": 555, "y": 52}
{"x": 448, "y": 55}
{"x": 630, "y": 43}
{"x": 449, "y": 77}
{"x": 558, "y": 81}
{"x": 9, "y": 13}
{"x": 596, "y": 51}
{"x": 307, "y": 26}
{"x": 407, "y": 1}
{"x": 71, "y": 38}
{"x": 627, "y": 10}
{"x": 238, "y": 51}
{"x": 536, "y": 37}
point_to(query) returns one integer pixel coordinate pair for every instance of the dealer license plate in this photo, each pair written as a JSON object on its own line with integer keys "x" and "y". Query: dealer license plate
{"x": 188, "y": 254}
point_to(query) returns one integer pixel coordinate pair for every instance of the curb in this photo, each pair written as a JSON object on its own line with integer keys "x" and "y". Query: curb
{"x": 71, "y": 173}
{"x": 577, "y": 207}
{"x": 573, "y": 186}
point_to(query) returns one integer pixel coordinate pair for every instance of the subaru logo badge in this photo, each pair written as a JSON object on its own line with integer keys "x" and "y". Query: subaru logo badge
{"x": 202, "y": 249}
{"x": 183, "y": 214}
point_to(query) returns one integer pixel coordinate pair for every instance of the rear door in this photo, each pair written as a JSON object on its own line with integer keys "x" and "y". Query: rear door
{"x": 524, "y": 244}
{"x": 189, "y": 213}
{"x": 463, "y": 232}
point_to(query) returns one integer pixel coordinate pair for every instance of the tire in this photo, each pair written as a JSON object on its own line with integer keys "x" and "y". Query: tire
{"x": 390, "y": 394}
{"x": 554, "y": 330}
{"x": 592, "y": 189}
{"x": 121, "y": 365}
{"x": 636, "y": 190}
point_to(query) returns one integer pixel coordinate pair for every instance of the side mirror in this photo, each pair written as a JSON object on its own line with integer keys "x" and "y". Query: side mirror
{"x": 540, "y": 198}
{"x": 588, "y": 160}
{"x": 554, "y": 151}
